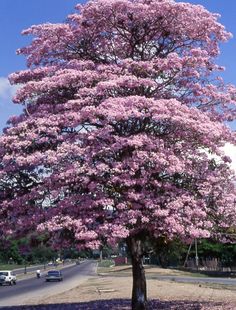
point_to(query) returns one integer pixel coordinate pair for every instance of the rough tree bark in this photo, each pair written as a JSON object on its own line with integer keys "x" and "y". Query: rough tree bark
{"x": 139, "y": 291}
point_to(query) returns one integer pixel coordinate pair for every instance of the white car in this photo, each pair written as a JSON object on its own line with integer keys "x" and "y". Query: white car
{"x": 7, "y": 277}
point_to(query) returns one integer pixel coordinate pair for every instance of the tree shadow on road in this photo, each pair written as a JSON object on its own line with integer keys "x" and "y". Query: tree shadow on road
{"x": 125, "y": 304}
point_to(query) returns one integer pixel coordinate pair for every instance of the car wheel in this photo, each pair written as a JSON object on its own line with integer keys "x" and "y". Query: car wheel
{"x": 14, "y": 282}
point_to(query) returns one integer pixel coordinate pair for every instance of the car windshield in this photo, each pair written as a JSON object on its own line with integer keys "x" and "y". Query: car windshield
{"x": 53, "y": 273}
{"x": 2, "y": 273}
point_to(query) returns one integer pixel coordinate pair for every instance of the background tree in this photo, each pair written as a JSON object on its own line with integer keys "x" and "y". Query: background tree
{"x": 168, "y": 252}
{"x": 10, "y": 252}
{"x": 122, "y": 130}
{"x": 225, "y": 252}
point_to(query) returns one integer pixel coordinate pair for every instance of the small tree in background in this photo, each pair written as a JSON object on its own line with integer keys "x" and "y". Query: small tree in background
{"x": 168, "y": 252}
{"x": 122, "y": 130}
{"x": 10, "y": 252}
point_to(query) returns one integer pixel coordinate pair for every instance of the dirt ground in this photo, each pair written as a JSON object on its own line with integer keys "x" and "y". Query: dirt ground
{"x": 116, "y": 283}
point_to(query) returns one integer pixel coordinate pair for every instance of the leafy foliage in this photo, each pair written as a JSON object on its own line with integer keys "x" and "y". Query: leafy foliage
{"x": 123, "y": 128}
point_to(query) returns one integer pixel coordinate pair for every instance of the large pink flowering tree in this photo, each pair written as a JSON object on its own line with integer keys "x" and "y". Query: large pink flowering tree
{"x": 122, "y": 131}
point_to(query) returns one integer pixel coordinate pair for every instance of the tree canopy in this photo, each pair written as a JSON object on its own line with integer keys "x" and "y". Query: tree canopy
{"x": 123, "y": 127}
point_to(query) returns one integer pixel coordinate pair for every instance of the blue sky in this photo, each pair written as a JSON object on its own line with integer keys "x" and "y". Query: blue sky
{"x": 16, "y": 15}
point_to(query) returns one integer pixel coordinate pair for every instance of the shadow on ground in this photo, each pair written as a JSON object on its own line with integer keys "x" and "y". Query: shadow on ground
{"x": 124, "y": 304}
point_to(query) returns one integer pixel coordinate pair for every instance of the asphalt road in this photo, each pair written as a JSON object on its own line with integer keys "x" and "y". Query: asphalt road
{"x": 31, "y": 288}
{"x": 34, "y": 268}
{"x": 225, "y": 281}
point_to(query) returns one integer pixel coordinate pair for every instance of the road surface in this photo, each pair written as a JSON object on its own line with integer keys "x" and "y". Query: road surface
{"x": 225, "y": 281}
{"x": 30, "y": 289}
{"x": 30, "y": 269}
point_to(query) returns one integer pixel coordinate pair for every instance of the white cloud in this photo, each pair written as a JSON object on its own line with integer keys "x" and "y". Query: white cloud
{"x": 230, "y": 150}
{"x": 7, "y": 90}
{"x": 7, "y": 108}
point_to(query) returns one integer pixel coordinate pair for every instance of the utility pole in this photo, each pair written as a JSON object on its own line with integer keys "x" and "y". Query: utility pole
{"x": 196, "y": 254}
{"x": 189, "y": 249}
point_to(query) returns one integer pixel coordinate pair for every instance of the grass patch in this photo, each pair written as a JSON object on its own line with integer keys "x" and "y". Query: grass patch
{"x": 14, "y": 266}
{"x": 106, "y": 263}
{"x": 218, "y": 286}
{"x": 155, "y": 270}
{"x": 10, "y": 266}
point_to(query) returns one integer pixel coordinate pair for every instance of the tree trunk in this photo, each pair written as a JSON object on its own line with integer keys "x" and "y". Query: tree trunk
{"x": 101, "y": 257}
{"x": 139, "y": 292}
